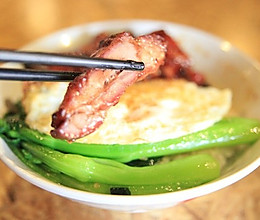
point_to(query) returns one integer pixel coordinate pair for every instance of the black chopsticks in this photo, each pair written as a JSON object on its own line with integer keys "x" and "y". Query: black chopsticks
{"x": 37, "y": 75}
{"x": 28, "y": 57}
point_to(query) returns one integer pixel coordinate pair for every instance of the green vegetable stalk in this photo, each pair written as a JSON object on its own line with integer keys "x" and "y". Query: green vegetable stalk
{"x": 227, "y": 132}
{"x": 57, "y": 177}
{"x": 95, "y": 167}
{"x": 50, "y": 173}
{"x": 188, "y": 171}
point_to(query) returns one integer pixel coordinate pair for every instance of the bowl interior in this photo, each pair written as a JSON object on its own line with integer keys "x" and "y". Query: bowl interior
{"x": 223, "y": 65}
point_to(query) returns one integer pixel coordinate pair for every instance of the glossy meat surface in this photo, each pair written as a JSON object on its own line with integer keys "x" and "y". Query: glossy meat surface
{"x": 177, "y": 63}
{"x": 91, "y": 94}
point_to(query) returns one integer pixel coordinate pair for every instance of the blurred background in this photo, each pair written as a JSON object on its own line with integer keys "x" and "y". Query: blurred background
{"x": 237, "y": 21}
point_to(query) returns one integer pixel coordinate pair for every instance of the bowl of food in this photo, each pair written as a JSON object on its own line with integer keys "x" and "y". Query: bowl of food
{"x": 185, "y": 126}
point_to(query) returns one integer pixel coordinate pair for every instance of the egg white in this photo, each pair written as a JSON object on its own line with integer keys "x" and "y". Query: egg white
{"x": 149, "y": 111}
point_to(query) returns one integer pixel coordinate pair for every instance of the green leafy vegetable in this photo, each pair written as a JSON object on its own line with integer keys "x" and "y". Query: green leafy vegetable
{"x": 225, "y": 133}
{"x": 188, "y": 170}
{"x": 100, "y": 168}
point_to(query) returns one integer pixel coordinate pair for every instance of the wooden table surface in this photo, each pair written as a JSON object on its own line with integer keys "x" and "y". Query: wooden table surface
{"x": 237, "y": 21}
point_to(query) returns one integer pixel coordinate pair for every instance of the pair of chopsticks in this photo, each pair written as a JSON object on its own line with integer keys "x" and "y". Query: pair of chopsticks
{"x": 50, "y": 59}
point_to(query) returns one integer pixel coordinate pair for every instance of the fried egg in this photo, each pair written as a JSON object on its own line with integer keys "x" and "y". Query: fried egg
{"x": 149, "y": 111}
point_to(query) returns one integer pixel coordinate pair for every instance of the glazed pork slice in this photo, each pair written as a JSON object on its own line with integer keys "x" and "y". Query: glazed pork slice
{"x": 91, "y": 94}
{"x": 177, "y": 63}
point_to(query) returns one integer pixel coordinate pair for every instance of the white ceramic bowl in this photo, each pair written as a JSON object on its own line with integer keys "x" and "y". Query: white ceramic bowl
{"x": 223, "y": 65}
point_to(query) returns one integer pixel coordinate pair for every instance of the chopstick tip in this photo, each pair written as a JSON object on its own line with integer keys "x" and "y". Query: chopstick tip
{"x": 136, "y": 65}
